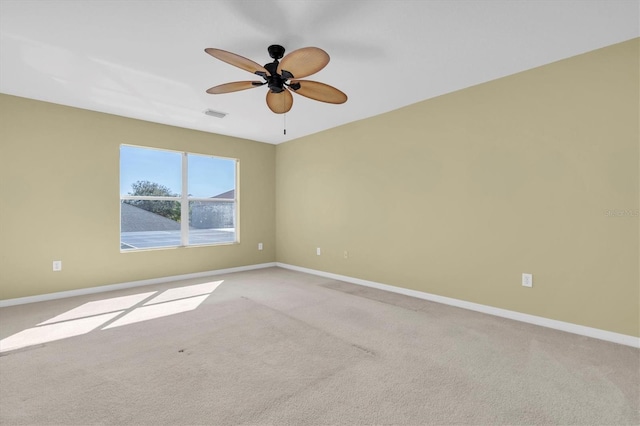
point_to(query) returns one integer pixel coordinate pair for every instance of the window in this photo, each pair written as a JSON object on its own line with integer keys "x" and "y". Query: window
{"x": 159, "y": 188}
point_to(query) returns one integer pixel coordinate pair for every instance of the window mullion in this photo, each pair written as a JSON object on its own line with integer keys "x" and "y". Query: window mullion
{"x": 184, "y": 204}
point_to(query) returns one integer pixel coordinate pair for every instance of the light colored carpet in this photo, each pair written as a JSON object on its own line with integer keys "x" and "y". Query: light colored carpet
{"x": 279, "y": 347}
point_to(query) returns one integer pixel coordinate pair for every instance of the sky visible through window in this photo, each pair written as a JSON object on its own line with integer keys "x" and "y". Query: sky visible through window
{"x": 207, "y": 176}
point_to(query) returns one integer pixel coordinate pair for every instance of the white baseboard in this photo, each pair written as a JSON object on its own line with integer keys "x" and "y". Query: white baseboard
{"x": 101, "y": 289}
{"x": 595, "y": 333}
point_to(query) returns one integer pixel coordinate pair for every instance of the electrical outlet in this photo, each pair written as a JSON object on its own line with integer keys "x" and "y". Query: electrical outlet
{"x": 318, "y": 251}
{"x": 259, "y": 246}
{"x": 527, "y": 280}
{"x": 57, "y": 265}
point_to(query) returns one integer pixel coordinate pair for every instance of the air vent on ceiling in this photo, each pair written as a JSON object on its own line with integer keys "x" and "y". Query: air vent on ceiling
{"x": 216, "y": 114}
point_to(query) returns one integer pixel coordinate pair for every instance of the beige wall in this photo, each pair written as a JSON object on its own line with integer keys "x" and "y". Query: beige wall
{"x": 459, "y": 195}
{"x": 59, "y": 177}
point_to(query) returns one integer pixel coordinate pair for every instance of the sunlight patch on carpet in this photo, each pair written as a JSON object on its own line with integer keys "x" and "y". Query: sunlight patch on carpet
{"x": 146, "y": 313}
{"x": 52, "y": 332}
{"x": 124, "y": 310}
{"x": 100, "y": 307}
{"x": 184, "y": 292}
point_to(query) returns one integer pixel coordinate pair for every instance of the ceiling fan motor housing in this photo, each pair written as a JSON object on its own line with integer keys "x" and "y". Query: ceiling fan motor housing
{"x": 274, "y": 80}
{"x": 275, "y": 83}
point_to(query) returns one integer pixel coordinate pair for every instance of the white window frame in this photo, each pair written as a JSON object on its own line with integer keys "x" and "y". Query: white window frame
{"x": 184, "y": 200}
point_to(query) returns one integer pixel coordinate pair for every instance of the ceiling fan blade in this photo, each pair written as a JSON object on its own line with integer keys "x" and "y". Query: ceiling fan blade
{"x": 304, "y": 62}
{"x": 318, "y": 91}
{"x": 234, "y": 87}
{"x": 236, "y": 60}
{"x": 279, "y": 102}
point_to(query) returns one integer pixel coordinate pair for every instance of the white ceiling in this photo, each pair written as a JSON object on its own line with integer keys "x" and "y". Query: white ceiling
{"x": 145, "y": 59}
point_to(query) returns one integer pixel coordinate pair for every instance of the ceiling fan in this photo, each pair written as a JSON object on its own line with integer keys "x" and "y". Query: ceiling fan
{"x": 282, "y": 77}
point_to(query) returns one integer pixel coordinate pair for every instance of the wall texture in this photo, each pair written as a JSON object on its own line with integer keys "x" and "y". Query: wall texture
{"x": 461, "y": 194}
{"x": 59, "y": 178}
